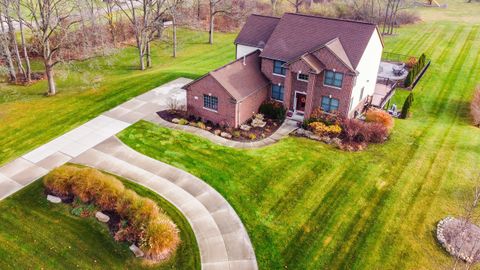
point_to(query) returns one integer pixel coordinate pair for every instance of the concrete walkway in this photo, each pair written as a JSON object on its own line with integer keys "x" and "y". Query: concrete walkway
{"x": 221, "y": 236}
{"x": 223, "y": 241}
{"x": 287, "y": 127}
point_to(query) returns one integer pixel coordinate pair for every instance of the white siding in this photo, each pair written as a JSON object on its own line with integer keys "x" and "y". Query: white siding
{"x": 243, "y": 50}
{"x": 368, "y": 69}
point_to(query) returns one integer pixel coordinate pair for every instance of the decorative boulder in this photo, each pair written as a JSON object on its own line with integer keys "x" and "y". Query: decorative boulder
{"x": 258, "y": 123}
{"x": 217, "y": 132}
{"x": 102, "y": 217}
{"x": 137, "y": 251}
{"x": 226, "y": 135}
{"x": 53, "y": 199}
{"x": 175, "y": 120}
{"x": 245, "y": 127}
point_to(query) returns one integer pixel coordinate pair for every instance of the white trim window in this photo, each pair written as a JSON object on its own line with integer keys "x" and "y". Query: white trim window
{"x": 277, "y": 92}
{"x": 210, "y": 103}
{"x": 329, "y": 104}
{"x": 278, "y": 68}
{"x": 332, "y": 78}
{"x": 302, "y": 77}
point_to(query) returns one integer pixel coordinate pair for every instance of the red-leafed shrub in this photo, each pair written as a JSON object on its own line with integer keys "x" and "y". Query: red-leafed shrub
{"x": 146, "y": 225}
{"x": 356, "y": 131}
{"x": 475, "y": 107}
{"x": 380, "y": 116}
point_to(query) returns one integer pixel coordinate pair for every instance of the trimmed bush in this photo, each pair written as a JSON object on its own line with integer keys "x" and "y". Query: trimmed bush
{"x": 380, "y": 116}
{"x": 406, "y": 106}
{"x": 475, "y": 107}
{"x": 356, "y": 131}
{"x": 145, "y": 224}
{"x": 273, "y": 110}
{"x": 415, "y": 70}
{"x": 321, "y": 129}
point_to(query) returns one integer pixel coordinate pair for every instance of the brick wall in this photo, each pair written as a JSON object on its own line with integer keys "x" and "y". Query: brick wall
{"x": 226, "y": 105}
{"x": 250, "y": 105}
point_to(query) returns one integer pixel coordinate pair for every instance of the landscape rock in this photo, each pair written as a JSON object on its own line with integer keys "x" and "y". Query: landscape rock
{"x": 137, "y": 251}
{"x": 245, "y": 127}
{"x": 217, "y": 132}
{"x": 102, "y": 217}
{"x": 258, "y": 123}
{"x": 53, "y": 199}
{"x": 175, "y": 120}
{"x": 226, "y": 135}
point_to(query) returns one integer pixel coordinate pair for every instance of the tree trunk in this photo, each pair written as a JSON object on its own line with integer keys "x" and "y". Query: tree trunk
{"x": 14, "y": 43}
{"x": 4, "y": 42}
{"x": 198, "y": 9}
{"x": 52, "y": 90}
{"x": 149, "y": 57}
{"x": 174, "y": 36}
{"x": 274, "y": 7}
{"x": 210, "y": 39}
{"x": 28, "y": 72}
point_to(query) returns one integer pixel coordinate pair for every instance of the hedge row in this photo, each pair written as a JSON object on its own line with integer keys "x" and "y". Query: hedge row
{"x": 415, "y": 70}
{"x": 143, "y": 221}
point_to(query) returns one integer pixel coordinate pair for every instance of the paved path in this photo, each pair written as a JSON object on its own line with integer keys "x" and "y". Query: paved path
{"x": 223, "y": 241}
{"x": 287, "y": 127}
{"x": 221, "y": 236}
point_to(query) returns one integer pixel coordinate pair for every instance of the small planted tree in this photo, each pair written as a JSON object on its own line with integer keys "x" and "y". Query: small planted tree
{"x": 475, "y": 107}
{"x": 406, "y": 106}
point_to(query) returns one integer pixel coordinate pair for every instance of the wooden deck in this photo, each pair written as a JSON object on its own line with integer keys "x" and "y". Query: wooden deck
{"x": 383, "y": 93}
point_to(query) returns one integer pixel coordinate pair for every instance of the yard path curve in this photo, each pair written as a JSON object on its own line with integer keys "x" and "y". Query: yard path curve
{"x": 222, "y": 238}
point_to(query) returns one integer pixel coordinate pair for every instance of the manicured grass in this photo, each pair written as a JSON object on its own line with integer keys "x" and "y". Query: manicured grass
{"x": 35, "y": 234}
{"x": 309, "y": 206}
{"x": 88, "y": 88}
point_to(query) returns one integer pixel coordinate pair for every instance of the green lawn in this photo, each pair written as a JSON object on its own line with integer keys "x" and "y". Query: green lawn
{"x": 35, "y": 234}
{"x": 88, "y": 88}
{"x": 309, "y": 206}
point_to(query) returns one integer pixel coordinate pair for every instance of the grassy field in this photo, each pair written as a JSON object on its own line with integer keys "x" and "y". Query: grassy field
{"x": 309, "y": 206}
{"x": 35, "y": 234}
{"x": 86, "y": 89}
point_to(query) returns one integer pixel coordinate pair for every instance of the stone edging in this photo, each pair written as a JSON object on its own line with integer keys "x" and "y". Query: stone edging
{"x": 450, "y": 249}
{"x": 284, "y": 130}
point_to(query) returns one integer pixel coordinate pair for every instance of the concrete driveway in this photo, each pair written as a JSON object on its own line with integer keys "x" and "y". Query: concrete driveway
{"x": 222, "y": 238}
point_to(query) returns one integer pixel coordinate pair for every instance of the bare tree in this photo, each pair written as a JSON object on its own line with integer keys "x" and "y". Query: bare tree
{"x": 225, "y": 7}
{"x": 145, "y": 16}
{"x": 173, "y": 7}
{"x": 5, "y": 47}
{"x": 49, "y": 22}
{"x": 8, "y": 13}
{"x": 28, "y": 71}
{"x": 296, "y": 4}
{"x": 109, "y": 14}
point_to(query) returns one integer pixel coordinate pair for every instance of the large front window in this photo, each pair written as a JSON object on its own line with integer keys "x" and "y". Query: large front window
{"x": 329, "y": 104}
{"x": 278, "y": 68}
{"x": 334, "y": 79}
{"x": 210, "y": 102}
{"x": 277, "y": 92}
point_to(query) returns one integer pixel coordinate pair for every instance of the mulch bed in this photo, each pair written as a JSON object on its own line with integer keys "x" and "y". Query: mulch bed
{"x": 254, "y": 134}
{"x": 460, "y": 238}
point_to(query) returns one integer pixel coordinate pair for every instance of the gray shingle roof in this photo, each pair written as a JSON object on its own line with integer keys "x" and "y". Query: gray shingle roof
{"x": 257, "y": 30}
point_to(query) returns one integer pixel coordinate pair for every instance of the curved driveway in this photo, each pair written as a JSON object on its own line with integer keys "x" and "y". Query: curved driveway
{"x": 223, "y": 241}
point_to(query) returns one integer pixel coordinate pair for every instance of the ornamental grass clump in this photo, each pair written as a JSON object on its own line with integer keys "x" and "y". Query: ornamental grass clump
{"x": 142, "y": 221}
{"x": 380, "y": 116}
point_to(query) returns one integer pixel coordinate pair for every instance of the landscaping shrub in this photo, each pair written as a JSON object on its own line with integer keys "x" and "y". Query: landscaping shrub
{"x": 183, "y": 122}
{"x": 415, "y": 70}
{"x": 411, "y": 61}
{"x": 475, "y": 107}
{"x": 273, "y": 110}
{"x": 406, "y": 106}
{"x": 380, "y": 116}
{"x": 321, "y": 129}
{"x": 145, "y": 225}
{"x": 356, "y": 131}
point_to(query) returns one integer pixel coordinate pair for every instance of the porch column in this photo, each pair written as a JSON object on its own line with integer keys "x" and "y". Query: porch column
{"x": 312, "y": 79}
{"x": 287, "y": 95}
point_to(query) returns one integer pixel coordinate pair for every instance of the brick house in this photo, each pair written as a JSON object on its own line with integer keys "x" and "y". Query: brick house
{"x": 303, "y": 61}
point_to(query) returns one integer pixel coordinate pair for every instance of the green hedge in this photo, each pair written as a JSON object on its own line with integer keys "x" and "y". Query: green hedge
{"x": 415, "y": 71}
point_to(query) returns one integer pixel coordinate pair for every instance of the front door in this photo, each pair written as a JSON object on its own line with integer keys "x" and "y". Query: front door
{"x": 301, "y": 100}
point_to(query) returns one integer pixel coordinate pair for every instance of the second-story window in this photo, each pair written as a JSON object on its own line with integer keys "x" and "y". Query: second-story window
{"x": 302, "y": 77}
{"x": 334, "y": 79}
{"x": 278, "y": 68}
